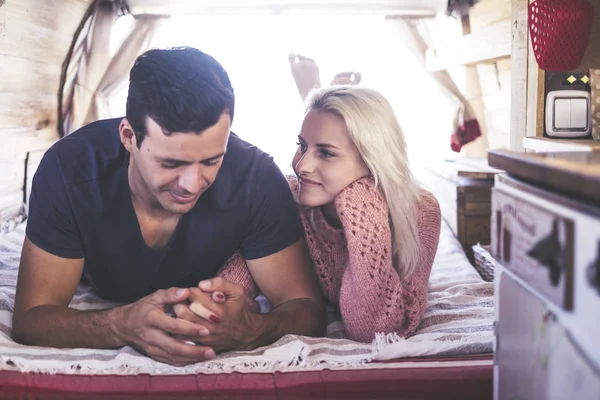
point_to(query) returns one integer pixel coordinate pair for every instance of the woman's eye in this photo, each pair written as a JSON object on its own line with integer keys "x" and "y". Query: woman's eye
{"x": 326, "y": 154}
{"x": 302, "y": 146}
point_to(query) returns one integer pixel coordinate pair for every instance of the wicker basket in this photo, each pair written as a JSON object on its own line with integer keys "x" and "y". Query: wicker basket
{"x": 484, "y": 262}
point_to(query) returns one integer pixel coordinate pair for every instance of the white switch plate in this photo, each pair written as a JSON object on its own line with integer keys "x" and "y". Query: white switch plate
{"x": 568, "y": 113}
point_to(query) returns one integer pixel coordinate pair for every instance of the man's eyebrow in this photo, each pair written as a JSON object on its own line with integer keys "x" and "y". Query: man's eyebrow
{"x": 182, "y": 162}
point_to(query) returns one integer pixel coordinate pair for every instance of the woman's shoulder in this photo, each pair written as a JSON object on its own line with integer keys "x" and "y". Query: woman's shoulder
{"x": 427, "y": 202}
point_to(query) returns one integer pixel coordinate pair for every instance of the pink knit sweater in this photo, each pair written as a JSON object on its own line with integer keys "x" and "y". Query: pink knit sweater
{"x": 354, "y": 263}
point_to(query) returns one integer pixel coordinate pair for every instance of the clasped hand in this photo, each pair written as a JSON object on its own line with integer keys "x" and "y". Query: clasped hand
{"x": 216, "y": 318}
{"x": 221, "y": 307}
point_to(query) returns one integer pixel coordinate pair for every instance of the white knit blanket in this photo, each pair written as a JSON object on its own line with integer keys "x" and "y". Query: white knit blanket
{"x": 458, "y": 321}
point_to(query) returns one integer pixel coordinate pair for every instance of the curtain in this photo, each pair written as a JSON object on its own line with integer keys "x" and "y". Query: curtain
{"x": 87, "y": 64}
{"x": 93, "y": 74}
{"x": 466, "y": 127}
{"x": 116, "y": 74}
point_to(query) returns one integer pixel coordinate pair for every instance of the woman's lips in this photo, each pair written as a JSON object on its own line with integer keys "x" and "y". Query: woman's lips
{"x": 308, "y": 182}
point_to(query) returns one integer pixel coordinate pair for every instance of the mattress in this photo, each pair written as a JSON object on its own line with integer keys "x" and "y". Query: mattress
{"x": 450, "y": 355}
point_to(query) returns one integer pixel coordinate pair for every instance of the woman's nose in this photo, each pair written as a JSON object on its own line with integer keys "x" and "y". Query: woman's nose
{"x": 305, "y": 164}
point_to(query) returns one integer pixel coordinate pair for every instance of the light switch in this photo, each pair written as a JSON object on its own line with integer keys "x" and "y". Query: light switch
{"x": 579, "y": 114}
{"x": 568, "y": 113}
{"x": 562, "y": 113}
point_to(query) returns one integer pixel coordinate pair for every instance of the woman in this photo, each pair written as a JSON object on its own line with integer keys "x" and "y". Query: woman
{"x": 372, "y": 232}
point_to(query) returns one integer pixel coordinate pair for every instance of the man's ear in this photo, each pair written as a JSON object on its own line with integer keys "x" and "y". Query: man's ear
{"x": 127, "y": 135}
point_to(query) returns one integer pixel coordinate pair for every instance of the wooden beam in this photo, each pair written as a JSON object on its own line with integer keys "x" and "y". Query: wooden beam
{"x": 22, "y": 75}
{"x": 591, "y": 58}
{"x": 518, "y": 65}
{"x": 543, "y": 144}
{"x": 24, "y": 38}
{"x": 18, "y": 141}
{"x": 28, "y": 110}
{"x": 492, "y": 43}
{"x": 58, "y": 16}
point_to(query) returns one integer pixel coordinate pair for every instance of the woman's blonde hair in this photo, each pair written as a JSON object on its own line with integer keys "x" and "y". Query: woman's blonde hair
{"x": 374, "y": 129}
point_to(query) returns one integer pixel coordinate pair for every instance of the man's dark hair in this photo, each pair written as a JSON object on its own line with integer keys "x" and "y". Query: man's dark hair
{"x": 182, "y": 89}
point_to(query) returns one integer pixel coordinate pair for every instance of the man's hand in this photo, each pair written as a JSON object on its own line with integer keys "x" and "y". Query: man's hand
{"x": 221, "y": 306}
{"x": 145, "y": 326}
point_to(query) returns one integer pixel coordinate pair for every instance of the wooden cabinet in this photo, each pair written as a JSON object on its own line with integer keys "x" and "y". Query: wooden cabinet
{"x": 545, "y": 238}
{"x": 463, "y": 189}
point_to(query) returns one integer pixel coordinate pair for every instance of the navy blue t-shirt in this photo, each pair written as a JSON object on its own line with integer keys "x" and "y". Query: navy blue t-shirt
{"x": 80, "y": 207}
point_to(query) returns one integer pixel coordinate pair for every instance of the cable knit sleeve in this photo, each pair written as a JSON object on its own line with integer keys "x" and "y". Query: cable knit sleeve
{"x": 236, "y": 270}
{"x": 373, "y": 298}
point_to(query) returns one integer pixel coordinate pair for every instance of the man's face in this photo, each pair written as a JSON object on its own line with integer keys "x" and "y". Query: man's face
{"x": 171, "y": 172}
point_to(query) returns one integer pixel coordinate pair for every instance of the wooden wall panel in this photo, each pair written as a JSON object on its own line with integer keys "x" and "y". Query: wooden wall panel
{"x": 59, "y": 16}
{"x": 25, "y": 39}
{"x": 35, "y": 36}
{"x": 27, "y": 110}
{"x": 591, "y": 59}
{"x": 28, "y": 76}
{"x": 518, "y": 65}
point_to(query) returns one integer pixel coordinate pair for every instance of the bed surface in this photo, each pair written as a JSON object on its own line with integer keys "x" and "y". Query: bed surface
{"x": 450, "y": 356}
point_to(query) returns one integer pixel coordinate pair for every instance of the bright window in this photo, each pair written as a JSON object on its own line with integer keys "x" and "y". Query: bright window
{"x": 254, "y": 50}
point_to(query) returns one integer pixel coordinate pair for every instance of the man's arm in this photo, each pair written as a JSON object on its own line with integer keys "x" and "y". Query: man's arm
{"x": 288, "y": 281}
{"x": 45, "y": 287}
{"x": 286, "y": 278}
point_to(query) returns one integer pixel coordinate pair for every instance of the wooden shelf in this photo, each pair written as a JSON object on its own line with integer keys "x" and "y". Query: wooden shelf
{"x": 544, "y": 144}
{"x": 490, "y": 44}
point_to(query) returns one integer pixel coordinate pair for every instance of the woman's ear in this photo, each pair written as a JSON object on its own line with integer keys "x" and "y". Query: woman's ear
{"x": 127, "y": 135}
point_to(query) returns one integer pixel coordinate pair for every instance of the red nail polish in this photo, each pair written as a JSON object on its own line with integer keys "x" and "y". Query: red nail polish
{"x": 214, "y": 318}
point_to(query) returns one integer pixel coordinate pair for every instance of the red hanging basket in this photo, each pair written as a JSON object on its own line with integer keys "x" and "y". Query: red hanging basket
{"x": 560, "y": 30}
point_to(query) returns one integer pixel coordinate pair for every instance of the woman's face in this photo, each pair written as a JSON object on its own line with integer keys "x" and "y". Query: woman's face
{"x": 326, "y": 160}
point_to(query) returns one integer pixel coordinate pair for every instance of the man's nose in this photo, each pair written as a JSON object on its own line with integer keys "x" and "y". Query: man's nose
{"x": 191, "y": 179}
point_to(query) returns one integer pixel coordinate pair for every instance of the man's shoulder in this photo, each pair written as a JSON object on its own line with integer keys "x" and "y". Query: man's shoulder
{"x": 245, "y": 161}
{"x": 90, "y": 151}
{"x": 246, "y": 170}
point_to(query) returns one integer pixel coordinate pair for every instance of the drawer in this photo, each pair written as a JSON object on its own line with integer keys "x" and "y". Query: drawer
{"x": 536, "y": 355}
{"x": 536, "y": 244}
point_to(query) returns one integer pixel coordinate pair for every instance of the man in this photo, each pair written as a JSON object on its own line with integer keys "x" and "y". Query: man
{"x": 160, "y": 200}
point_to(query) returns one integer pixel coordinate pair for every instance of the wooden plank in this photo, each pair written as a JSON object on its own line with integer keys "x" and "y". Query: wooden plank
{"x": 22, "y": 75}
{"x": 17, "y": 142}
{"x": 491, "y": 44}
{"x": 25, "y": 39}
{"x": 572, "y": 173}
{"x": 476, "y": 229}
{"x": 28, "y": 110}
{"x": 61, "y": 16}
{"x": 518, "y": 62}
{"x": 541, "y": 101}
{"x": 10, "y": 205}
{"x": 13, "y": 174}
{"x": 591, "y": 58}
{"x": 414, "y": 8}
{"x": 488, "y": 12}
{"x": 534, "y": 102}
{"x": 544, "y": 144}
